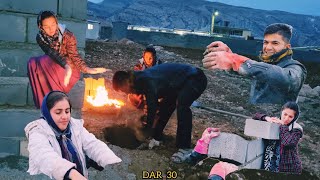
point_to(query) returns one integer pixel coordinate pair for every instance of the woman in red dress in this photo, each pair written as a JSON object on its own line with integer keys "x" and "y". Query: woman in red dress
{"x": 60, "y": 67}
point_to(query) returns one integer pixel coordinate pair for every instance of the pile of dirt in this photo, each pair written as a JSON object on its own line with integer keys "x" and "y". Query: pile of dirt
{"x": 225, "y": 91}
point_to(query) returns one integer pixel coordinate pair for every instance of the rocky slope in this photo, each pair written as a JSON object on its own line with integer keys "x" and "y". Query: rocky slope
{"x": 196, "y": 15}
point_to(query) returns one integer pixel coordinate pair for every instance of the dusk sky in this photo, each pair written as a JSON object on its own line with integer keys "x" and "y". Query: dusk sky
{"x": 308, "y": 7}
{"x": 95, "y": 1}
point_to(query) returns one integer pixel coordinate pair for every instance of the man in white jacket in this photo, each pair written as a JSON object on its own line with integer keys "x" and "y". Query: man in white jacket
{"x": 58, "y": 143}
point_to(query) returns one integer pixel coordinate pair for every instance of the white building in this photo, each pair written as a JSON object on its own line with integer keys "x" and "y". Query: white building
{"x": 93, "y": 29}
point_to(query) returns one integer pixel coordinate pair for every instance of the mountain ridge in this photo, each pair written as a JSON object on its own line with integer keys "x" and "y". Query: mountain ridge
{"x": 196, "y": 15}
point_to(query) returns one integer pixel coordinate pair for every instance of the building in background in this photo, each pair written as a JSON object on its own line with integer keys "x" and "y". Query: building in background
{"x": 93, "y": 30}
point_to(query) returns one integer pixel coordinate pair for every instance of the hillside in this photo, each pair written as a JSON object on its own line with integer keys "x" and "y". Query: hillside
{"x": 196, "y": 15}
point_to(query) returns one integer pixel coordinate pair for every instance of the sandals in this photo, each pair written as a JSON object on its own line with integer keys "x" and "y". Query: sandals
{"x": 181, "y": 156}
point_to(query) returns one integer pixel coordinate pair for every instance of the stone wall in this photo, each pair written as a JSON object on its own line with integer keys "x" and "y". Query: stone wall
{"x": 193, "y": 41}
{"x": 18, "y": 31}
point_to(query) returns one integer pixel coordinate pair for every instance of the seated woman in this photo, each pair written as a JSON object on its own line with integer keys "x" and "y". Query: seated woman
{"x": 60, "y": 68}
{"x": 59, "y": 143}
{"x": 282, "y": 155}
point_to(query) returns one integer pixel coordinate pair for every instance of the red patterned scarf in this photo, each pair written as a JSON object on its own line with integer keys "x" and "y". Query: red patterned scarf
{"x": 53, "y": 41}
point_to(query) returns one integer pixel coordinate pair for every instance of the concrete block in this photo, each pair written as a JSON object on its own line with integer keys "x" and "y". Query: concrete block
{"x": 16, "y": 31}
{"x": 13, "y": 91}
{"x": 31, "y": 6}
{"x": 228, "y": 146}
{"x": 24, "y": 148}
{"x": 30, "y": 101}
{"x": 262, "y": 129}
{"x": 14, "y": 121}
{"x": 4, "y": 154}
{"x": 78, "y": 29}
{"x": 76, "y": 95}
{"x": 256, "y": 163}
{"x": 76, "y": 9}
{"x": 9, "y": 146}
{"x": 32, "y": 29}
{"x": 14, "y": 58}
{"x": 255, "y": 149}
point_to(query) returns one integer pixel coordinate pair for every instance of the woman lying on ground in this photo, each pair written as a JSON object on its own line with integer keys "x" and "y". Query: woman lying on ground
{"x": 59, "y": 143}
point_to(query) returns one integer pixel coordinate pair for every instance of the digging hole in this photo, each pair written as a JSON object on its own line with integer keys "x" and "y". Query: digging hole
{"x": 121, "y": 136}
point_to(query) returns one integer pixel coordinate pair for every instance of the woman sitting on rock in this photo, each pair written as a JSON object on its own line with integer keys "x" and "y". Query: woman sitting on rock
{"x": 59, "y": 143}
{"x": 60, "y": 68}
{"x": 282, "y": 155}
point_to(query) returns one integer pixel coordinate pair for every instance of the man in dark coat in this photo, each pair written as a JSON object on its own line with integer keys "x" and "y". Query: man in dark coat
{"x": 178, "y": 84}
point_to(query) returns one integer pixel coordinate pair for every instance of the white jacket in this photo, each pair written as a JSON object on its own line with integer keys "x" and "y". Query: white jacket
{"x": 45, "y": 153}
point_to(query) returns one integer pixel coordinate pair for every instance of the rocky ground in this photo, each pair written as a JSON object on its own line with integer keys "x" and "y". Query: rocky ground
{"x": 121, "y": 128}
{"x": 225, "y": 91}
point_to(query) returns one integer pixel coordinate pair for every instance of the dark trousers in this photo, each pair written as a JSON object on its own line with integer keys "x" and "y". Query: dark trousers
{"x": 182, "y": 100}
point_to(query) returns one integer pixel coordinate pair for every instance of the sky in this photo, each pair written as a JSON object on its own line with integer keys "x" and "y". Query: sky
{"x": 308, "y": 7}
{"x": 95, "y": 1}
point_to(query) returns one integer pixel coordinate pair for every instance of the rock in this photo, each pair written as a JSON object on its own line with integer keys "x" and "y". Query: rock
{"x": 317, "y": 89}
{"x": 131, "y": 176}
{"x": 129, "y": 42}
{"x": 240, "y": 108}
{"x": 301, "y": 99}
{"x": 125, "y": 41}
{"x": 158, "y": 48}
{"x": 307, "y": 91}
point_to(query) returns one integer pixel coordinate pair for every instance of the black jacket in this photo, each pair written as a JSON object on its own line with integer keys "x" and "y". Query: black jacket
{"x": 161, "y": 81}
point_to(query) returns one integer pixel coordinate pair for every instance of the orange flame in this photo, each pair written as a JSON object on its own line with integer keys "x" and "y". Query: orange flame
{"x": 102, "y": 99}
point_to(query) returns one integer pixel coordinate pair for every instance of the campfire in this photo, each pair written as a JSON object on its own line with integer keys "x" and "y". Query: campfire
{"x": 97, "y": 97}
{"x": 102, "y": 99}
